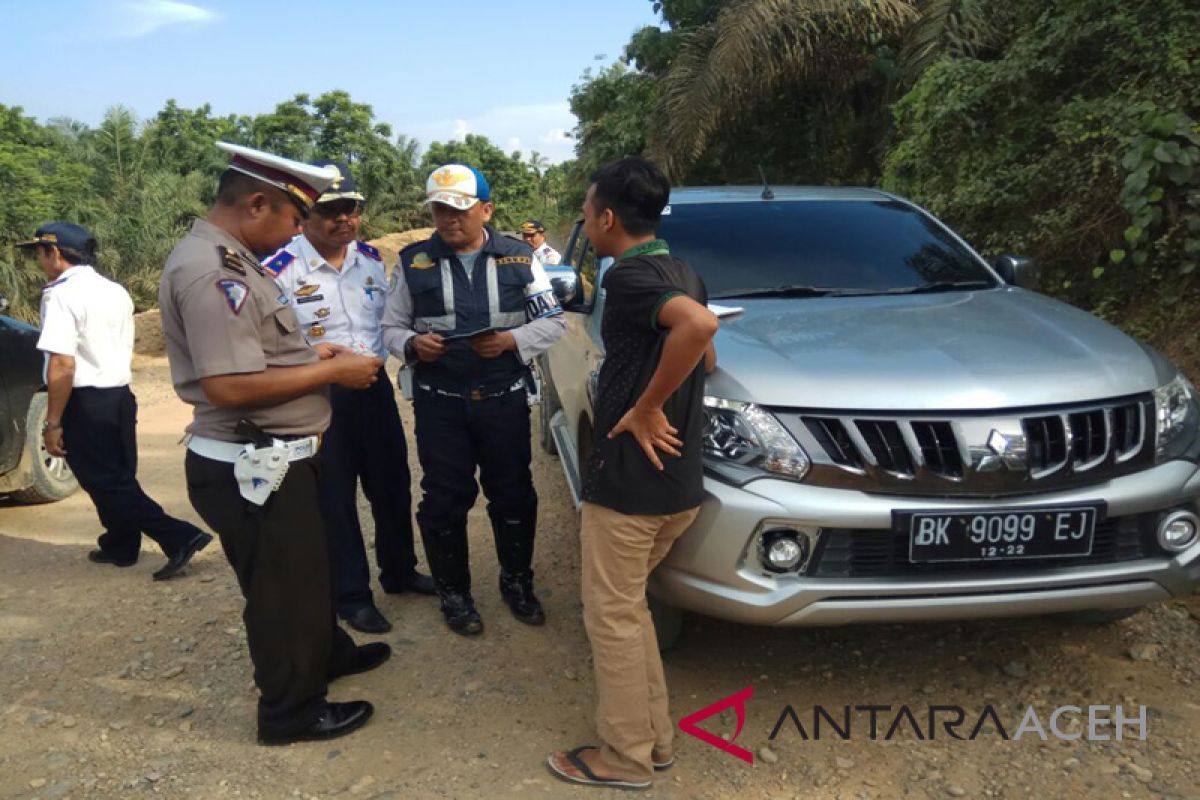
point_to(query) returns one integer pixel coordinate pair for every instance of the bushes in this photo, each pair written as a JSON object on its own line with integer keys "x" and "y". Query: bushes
{"x": 1078, "y": 145}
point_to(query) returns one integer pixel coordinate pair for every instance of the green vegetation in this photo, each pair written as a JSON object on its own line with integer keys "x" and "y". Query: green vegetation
{"x": 1067, "y": 130}
{"x": 138, "y": 185}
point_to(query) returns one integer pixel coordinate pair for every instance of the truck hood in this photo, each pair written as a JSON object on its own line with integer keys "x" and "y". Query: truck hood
{"x": 1000, "y": 348}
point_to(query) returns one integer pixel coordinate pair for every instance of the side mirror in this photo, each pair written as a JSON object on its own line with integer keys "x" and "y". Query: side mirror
{"x": 1017, "y": 271}
{"x": 564, "y": 281}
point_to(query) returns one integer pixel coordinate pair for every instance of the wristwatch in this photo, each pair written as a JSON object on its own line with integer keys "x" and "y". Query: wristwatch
{"x": 47, "y": 425}
{"x": 410, "y": 350}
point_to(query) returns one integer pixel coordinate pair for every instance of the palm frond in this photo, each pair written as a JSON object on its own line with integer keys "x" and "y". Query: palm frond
{"x": 948, "y": 27}
{"x": 754, "y": 45}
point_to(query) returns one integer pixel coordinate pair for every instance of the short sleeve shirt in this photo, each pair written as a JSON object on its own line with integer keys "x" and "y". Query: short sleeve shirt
{"x": 90, "y": 318}
{"x": 340, "y": 306}
{"x": 222, "y": 314}
{"x": 619, "y": 476}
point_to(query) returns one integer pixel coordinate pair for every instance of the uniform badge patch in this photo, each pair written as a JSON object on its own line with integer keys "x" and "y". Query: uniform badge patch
{"x": 307, "y": 289}
{"x": 278, "y": 262}
{"x": 322, "y": 313}
{"x": 422, "y": 261}
{"x": 316, "y": 330}
{"x": 235, "y": 294}
{"x": 368, "y": 251}
{"x": 514, "y": 260}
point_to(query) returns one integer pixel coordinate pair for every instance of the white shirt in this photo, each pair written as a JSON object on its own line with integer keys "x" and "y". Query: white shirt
{"x": 343, "y": 307}
{"x": 88, "y": 317}
{"x": 547, "y": 254}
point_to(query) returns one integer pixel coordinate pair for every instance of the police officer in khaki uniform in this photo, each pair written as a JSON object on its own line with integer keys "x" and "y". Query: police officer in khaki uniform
{"x": 260, "y": 400}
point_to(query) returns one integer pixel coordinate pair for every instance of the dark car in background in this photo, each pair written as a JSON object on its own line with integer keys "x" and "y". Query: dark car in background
{"x": 28, "y": 473}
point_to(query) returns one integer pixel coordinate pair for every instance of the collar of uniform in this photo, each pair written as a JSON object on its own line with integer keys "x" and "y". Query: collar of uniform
{"x": 308, "y": 252}
{"x": 439, "y": 249}
{"x": 654, "y": 247}
{"x": 211, "y": 233}
{"x": 67, "y": 273}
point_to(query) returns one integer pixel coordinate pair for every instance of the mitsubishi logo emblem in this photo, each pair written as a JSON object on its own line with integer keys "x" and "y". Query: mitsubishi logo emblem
{"x": 1006, "y": 451}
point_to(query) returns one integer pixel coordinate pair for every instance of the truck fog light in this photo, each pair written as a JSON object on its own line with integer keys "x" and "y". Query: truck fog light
{"x": 1177, "y": 531}
{"x": 783, "y": 550}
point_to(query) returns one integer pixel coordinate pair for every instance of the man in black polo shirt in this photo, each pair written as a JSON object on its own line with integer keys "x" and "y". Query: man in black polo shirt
{"x": 643, "y": 486}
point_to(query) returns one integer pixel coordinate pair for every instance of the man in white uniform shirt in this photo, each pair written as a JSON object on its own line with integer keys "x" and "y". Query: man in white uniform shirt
{"x": 91, "y": 415}
{"x": 338, "y": 288}
{"x": 534, "y": 234}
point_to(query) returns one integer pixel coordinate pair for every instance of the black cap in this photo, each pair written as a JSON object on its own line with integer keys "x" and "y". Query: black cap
{"x": 532, "y": 226}
{"x": 344, "y": 187}
{"x": 63, "y": 234}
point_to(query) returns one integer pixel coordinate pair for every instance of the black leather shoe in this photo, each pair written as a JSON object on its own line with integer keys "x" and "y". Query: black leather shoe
{"x": 180, "y": 560}
{"x": 461, "y": 616}
{"x": 367, "y": 658}
{"x": 518, "y": 593}
{"x": 337, "y": 720}
{"x": 101, "y": 557}
{"x": 367, "y": 619}
{"x": 417, "y": 583}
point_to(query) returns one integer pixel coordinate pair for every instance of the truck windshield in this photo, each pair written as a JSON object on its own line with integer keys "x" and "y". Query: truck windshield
{"x": 813, "y": 248}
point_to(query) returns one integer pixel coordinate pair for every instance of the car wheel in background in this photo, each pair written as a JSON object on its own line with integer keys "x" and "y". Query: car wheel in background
{"x": 50, "y": 478}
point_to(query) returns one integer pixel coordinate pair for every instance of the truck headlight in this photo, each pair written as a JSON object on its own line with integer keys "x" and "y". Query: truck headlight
{"x": 1176, "y": 417}
{"x": 744, "y": 440}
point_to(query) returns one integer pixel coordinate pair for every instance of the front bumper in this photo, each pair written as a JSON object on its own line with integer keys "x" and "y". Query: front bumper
{"x": 714, "y": 568}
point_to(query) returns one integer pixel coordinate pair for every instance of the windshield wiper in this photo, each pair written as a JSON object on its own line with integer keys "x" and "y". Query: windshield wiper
{"x": 777, "y": 291}
{"x": 942, "y": 286}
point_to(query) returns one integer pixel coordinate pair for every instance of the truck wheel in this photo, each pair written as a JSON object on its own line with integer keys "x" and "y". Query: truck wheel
{"x": 50, "y": 478}
{"x": 549, "y": 407}
{"x": 668, "y": 623}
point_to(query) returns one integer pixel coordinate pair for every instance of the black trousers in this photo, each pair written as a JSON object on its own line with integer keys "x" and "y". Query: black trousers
{"x": 100, "y": 434}
{"x": 365, "y": 440}
{"x": 454, "y": 436}
{"x": 279, "y": 554}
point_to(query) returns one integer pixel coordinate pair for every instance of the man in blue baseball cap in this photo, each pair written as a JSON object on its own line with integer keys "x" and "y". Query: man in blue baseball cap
{"x": 91, "y": 414}
{"x": 468, "y": 309}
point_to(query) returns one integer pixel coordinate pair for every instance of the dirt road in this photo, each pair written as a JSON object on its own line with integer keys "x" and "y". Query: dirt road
{"x": 115, "y": 686}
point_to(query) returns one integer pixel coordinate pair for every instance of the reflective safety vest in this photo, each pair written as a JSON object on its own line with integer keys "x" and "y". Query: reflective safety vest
{"x": 503, "y": 292}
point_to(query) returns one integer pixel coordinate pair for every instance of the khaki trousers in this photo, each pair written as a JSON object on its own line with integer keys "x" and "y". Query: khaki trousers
{"x": 619, "y": 553}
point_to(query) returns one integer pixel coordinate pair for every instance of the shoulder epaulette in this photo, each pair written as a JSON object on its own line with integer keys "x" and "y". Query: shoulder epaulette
{"x": 368, "y": 251}
{"x": 278, "y": 262}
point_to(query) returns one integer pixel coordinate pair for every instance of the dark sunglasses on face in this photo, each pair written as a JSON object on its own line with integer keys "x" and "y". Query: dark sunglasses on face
{"x": 333, "y": 210}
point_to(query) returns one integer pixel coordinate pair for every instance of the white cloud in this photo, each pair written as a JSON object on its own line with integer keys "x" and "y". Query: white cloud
{"x": 135, "y": 18}
{"x": 508, "y": 127}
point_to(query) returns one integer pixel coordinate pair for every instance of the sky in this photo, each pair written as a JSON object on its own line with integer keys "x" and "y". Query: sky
{"x": 435, "y": 70}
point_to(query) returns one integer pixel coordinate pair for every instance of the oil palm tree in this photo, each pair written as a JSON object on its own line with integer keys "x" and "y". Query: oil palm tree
{"x": 754, "y": 47}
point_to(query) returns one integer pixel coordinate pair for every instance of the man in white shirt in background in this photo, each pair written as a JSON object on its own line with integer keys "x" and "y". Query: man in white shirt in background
{"x": 91, "y": 415}
{"x": 534, "y": 234}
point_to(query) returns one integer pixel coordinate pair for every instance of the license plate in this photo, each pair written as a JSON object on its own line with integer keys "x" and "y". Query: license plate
{"x": 1064, "y": 532}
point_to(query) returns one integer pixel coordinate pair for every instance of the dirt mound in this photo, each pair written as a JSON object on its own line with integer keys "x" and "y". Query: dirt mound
{"x": 147, "y": 334}
{"x": 391, "y": 244}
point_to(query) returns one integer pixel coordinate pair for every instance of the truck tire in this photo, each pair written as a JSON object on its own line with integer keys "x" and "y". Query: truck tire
{"x": 50, "y": 478}
{"x": 549, "y": 406}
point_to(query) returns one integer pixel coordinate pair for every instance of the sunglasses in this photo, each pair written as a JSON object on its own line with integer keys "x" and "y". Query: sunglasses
{"x": 336, "y": 208}
{"x": 528, "y": 235}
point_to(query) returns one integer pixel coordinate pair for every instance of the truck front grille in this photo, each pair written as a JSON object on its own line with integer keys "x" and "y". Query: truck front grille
{"x": 978, "y": 454}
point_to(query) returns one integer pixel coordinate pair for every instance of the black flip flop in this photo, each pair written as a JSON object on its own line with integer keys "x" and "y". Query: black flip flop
{"x": 590, "y": 778}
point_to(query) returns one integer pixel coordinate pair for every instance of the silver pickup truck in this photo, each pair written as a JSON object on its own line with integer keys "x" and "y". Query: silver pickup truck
{"x": 898, "y": 430}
